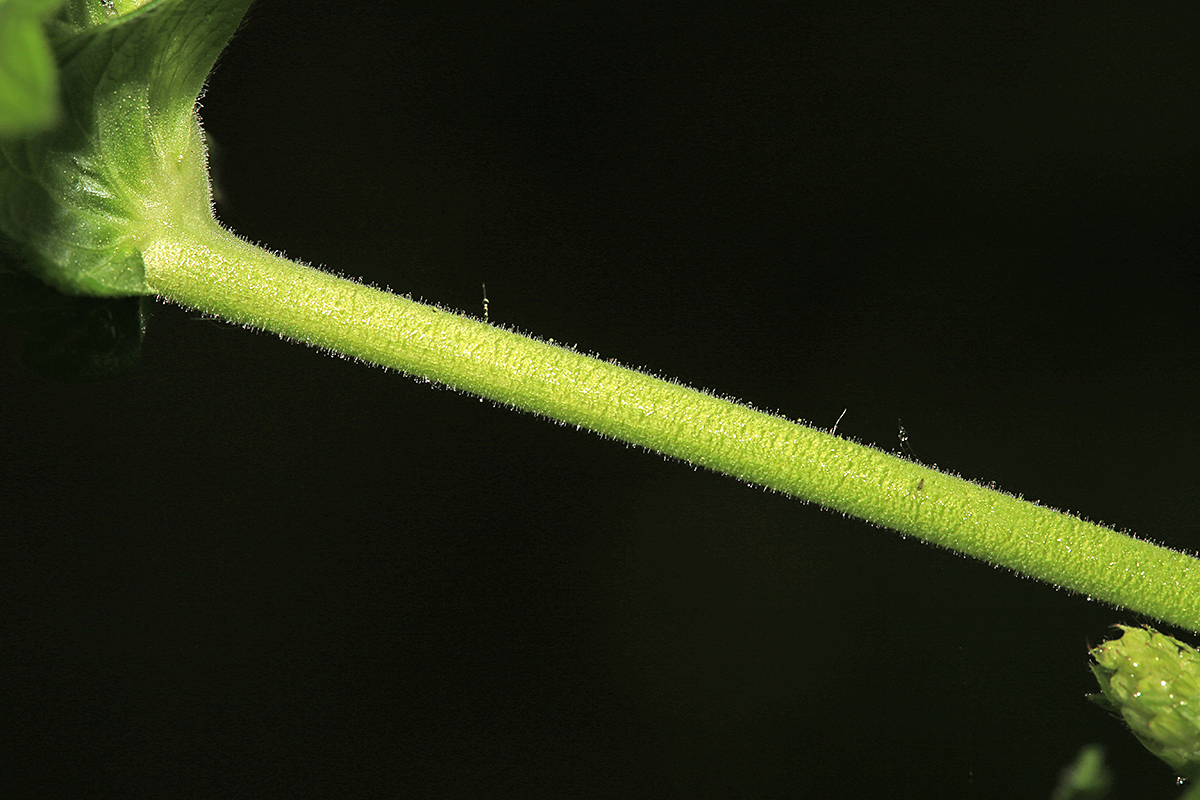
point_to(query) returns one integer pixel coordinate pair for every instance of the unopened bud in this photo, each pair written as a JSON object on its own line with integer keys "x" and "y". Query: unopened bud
{"x": 1153, "y": 681}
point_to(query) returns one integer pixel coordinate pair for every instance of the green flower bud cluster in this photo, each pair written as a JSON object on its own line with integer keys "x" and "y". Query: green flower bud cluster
{"x": 1153, "y": 681}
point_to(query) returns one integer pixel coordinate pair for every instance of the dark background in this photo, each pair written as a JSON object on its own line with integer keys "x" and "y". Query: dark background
{"x": 251, "y": 570}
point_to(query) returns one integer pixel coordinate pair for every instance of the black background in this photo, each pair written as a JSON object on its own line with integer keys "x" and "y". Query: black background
{"x": 251, "y": 570}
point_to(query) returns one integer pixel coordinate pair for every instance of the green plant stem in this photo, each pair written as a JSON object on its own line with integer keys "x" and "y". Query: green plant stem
{"x": 205, "y": 267}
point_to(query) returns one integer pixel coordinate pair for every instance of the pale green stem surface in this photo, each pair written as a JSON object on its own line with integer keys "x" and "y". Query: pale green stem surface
{"x": 210, "y": 269}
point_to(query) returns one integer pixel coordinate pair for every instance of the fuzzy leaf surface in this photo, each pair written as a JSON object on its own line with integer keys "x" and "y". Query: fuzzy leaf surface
{"x": 80, "y": 202}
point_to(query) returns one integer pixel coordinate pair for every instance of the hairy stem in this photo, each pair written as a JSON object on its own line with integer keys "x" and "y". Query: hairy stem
{"x": 210, "y": 269}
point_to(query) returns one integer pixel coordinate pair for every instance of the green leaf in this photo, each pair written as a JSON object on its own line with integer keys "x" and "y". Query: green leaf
{"x": 81, "y": 202}
{"x": 1087, "y": 778}
{"x": 28, "y": 83}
